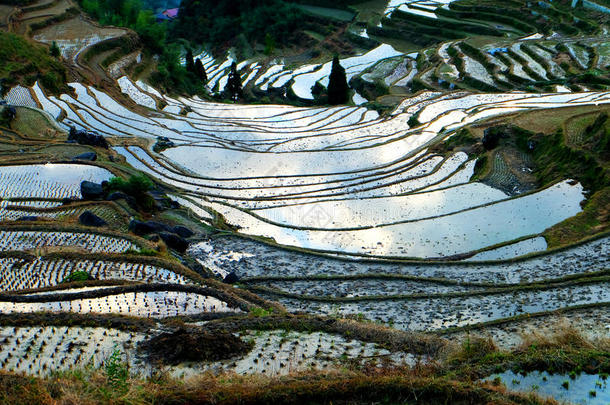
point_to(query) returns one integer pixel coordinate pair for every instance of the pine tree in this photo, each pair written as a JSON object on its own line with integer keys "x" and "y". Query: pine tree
{"x": 190, "y": 63}
{"x": 233, "y": 87}
{"x": 338, "y": 90}
{"x": 55, "y": 51}
{"x": 200, "y": 71}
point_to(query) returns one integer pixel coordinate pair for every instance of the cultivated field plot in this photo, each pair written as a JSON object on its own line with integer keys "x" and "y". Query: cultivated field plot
{"x": 592, "y": 322}
{"x": 18, "y": 274}
{"x": 28, "y": 240}
{"x": 278, "y": 76}
{"x": 417, "y": 296}
{"x": 43, "y": 350}
{"x": 423, "y": 8}
{"x": 281, "y": 352}
{"x": 521, "y": 51}
{"x": 255, "y": 260}
{"x": 49, "y": 181}
{"x": 438, "y": 312}
{"x": 14, "y": 210}
{"x": 147, "y": 304}
{"x": 75, "y": 35}
{"x": 338, "y": 179}
{"x": 20, "y": 96}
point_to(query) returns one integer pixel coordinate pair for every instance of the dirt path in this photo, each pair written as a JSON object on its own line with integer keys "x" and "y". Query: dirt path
{"x": 5, "y": 14}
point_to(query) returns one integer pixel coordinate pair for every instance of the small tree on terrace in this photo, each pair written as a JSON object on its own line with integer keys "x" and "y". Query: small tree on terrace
{"x": 233, "y": 87}
{"x": 338, "y": 90}
{"x": 55, "y": 51}
{"x": 200, "y": 71}
{"x": 190, "y": 63}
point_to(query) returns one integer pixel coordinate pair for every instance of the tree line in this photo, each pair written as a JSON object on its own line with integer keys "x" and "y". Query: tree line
{"x": 337, "y": 91}
{"x": 206, "y": 21}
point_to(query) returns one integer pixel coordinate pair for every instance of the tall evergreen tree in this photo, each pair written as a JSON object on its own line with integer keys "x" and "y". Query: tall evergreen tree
{"x": 200, "y": 71}
{"x": 233, "y": 87}
{"x": 55, "y": 51}
{"x": 338, "y": 90}
{"x": 190, "y": 63}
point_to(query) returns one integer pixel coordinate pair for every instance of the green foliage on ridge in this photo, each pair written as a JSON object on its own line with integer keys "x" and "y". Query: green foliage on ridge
{"x": 170, "y": 75}
{"x": 25, "y": 63}
{"x": 136, "y": 186}
{"x": 77, "y": 276}
{"x": 220, "y": 21}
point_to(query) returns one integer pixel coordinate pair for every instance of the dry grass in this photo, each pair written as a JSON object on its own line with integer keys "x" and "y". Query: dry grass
{"x": 565, "y": 337}
{"x": 91, "y": 387}
{"x": 454, "y": 381}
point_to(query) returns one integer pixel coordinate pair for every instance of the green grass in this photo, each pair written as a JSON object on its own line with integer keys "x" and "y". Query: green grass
{"x": 24, "y": 63}
{"x": 31, "y": 123}
{"x": 592, "y": 220}
{"x": 325, "y": 12}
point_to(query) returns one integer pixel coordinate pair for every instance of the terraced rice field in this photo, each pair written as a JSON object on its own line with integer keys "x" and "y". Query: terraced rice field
{"x": 28, "y": 240}
{"x": 11, "y": 210}
{"x": 428, "y": 314}
{"x": 299, "y": 81}
{"x": 19, "y": 274}
{"x": 281, "y": 352}
{"x": 420, "y": 296}
{"x": 336, "y": 211}
{"x": 20, "y": 96}
{"x": 48, "y": 181}
{"x": 43, "y": 350}
{"x": 75, "y": 35}
{"x": 47, "y": 349}
{"x": 359, "y": 171}
{"x": 147, "y": 304}
{"x": 516, "y": 55}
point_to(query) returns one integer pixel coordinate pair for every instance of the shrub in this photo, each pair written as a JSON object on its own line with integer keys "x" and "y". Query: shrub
{"x": 136, "y": 186}
{"x": 116, "y": 369}
{"x": 77, "y": 276}
{"x": 55, "y": 52}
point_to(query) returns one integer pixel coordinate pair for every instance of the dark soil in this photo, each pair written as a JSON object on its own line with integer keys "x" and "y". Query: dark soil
{"x": 193, "y": 345}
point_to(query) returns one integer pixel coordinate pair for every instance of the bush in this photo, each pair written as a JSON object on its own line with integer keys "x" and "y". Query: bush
{"x": 77, "y": 276}
{"x": 55, "y": 52}
{"x": 136, "y": 186}
{"x": 117, "y": 371}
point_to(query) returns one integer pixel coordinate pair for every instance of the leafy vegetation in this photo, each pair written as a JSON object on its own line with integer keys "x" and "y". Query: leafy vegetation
{"x": 54, "y": 50}
{"x": 77, "y": 276}
{"x": 159, "y": 5}
{"x": 223, "y": 21}
{"x": 557, "y": 160}
{"x": 117, "y": 371}
{"x": 26, "y": 63}
{"x": 170, "y": 75}
{"x": 136, "y": 186}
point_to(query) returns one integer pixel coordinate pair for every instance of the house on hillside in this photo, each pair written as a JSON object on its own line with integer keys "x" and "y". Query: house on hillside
{"x": 167, "y": 15}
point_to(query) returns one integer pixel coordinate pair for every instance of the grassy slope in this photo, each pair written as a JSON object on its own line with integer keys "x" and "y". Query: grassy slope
{"x": 24, "y": 63}
{"x": 556, "y": 158}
